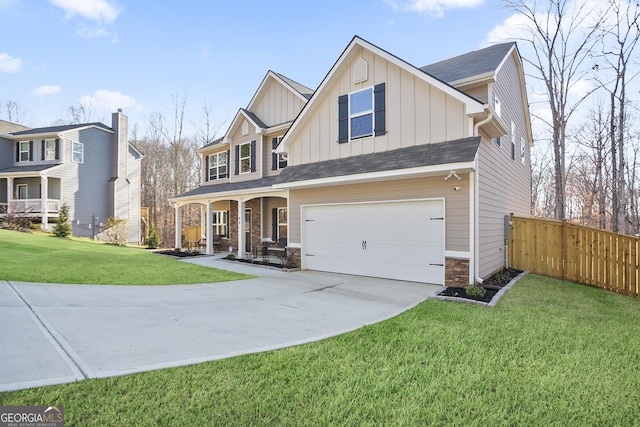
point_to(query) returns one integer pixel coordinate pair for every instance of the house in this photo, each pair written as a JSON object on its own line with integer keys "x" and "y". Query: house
{"x": 91, "y": 167}
{"x": 386, "y": 170}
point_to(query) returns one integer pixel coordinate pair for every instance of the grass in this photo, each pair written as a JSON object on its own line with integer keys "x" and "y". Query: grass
{"x": 37, "y": 257}
{"x": 551, "y": 353}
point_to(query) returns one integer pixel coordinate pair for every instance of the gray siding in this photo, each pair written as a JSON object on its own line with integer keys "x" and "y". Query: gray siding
{"x": 504, "y": 184}
{"x": 7, "y": 153}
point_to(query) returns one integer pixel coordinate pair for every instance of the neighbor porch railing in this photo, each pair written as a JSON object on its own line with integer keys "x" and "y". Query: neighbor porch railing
{"x": 30, "y": 206}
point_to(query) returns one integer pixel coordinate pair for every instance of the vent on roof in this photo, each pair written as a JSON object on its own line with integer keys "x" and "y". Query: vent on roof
{"x": 360, "y": 71}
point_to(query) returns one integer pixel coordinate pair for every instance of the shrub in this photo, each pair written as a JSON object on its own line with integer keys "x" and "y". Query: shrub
{"x": 117, "y": 231}
{"x": 17, "y": 222}
{"x": 62, "y": 227}
{"x": 475, "y": 291}
{"x": 152, "y": 241}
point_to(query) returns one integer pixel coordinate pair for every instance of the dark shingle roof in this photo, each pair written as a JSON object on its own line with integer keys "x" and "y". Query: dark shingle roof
{"x": 212, "y": 143}
{"x": 55, "y": 129}
{"x": 469, "y": 64}
{"x": 33, "y": 168}
{"x": 255, "y": 119}
{"x": 461, "y": 150}
{"x": 231, "y": 186}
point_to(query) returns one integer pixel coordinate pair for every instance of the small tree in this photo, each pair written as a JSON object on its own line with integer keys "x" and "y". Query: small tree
{"x": 63, "y": 228}
{"x": 153, "y": 241}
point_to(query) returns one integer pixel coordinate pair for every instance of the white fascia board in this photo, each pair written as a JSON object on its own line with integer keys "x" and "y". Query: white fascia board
{"x": 425, "y": 171}
{"x": 212, "y": 148}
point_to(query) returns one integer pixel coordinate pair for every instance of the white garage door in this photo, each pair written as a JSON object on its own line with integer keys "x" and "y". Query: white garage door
{"x": 396, "y": 240}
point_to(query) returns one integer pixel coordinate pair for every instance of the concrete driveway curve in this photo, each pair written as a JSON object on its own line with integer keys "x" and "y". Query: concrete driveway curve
{"x": 57, "y": 333}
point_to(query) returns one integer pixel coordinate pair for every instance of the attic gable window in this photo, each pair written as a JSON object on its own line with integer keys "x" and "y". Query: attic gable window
{"x": 362, "y": 113}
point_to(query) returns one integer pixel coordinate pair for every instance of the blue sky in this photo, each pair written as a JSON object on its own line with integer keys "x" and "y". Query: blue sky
{"x": 137, "y": 55}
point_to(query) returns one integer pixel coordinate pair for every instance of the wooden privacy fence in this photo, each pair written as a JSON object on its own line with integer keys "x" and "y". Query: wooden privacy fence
{"x": 576, "y": 253}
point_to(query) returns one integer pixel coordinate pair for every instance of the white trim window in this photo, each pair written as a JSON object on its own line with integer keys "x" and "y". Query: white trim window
{"x": 50, "y": 149}
{"x": 361, "y": 118}
{"x": 25, "y": 151}
{"x": 513, "y": 140}
{"x": 218, "y": 166}
{"x": 77, "y": 152}
{"x": 245, "y": 158}
{"x": 220, "y": 223}
{"x": 522, "y": 151}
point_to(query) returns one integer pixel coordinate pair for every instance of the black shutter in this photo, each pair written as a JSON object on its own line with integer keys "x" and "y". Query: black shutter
{"x": 274, "y": 224}
{"x": 206, "y": 168}
{"x": 228, "y": 172}
{"x": 253, "y": 156}
{"x": 274, "y": 155}
{"x": 42, "y": 143}
{"x": 237, "y": 159}
{"x": 30, "y": 151}
{"x": 343, "y": 118}
{"x": 379, "y": 109}
{"x": 57, "y": 149}
{"x": 17, "y": 151}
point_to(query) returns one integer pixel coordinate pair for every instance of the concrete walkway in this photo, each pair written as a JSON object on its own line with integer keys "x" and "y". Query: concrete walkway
{"x": 56, "y": 333}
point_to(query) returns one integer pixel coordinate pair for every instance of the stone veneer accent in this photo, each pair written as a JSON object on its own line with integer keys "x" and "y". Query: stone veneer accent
{"x": 456, "y": 272}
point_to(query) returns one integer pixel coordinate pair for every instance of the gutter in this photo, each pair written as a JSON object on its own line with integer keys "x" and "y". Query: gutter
{"x": 476, "y": 219}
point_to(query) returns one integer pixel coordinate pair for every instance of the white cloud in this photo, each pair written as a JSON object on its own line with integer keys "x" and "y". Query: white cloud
{"x": 46, "y": 90}
{"x": 95, "y": 10}
{"x": 109, "y": 101}
{"x": 9, "y": 64}
{"x": 434, "y": 7}
{"x": 581, "y": 88}
{"x": 91, "y": 33}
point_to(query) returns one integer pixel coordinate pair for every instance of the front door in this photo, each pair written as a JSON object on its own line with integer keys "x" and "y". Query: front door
{"x": 247, "y": 231}
{"x": 22, "y": 191}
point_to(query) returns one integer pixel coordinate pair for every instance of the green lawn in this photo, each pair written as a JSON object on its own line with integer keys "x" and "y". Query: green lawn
{"x": 551, "y": 353}
{"x": 38, "y": 257}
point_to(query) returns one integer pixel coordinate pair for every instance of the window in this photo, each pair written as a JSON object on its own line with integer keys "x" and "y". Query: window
{"x": 218, "y": 166}
{"x": 23, "y": 191}
{"x": 362, "y": 114}
{"x": 245, "y": 158}
{"x": 497, "y": 140}
{"x": 220, "y": 223}
{"x": 49, "y": 149}
{"x": 77, "y": 152}
{"x": 279, "y": 160}
{"x": 282, "y": 217}
{"x": 279, "y": 223}
{"x": 522, "y": 150}
{"x": 25, "y": 151}
{"x": 496, "y": 105}
{"x": 513, "y": 141}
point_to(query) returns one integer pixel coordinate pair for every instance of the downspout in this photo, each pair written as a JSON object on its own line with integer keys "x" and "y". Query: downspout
{"x": 476, "y": 209}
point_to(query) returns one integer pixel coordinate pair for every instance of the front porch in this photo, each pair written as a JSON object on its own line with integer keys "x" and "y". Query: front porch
{"x": 31, "y": 207}
{"x": 31, "y": 194}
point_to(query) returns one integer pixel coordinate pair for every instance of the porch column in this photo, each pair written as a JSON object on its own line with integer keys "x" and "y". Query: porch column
{"x": 44, "y": 196}
{"x": 208, "y": 232}
{"x": 178, "y": 223}
{"x": 9, "y": 193}
{"x": 241, "y": 206}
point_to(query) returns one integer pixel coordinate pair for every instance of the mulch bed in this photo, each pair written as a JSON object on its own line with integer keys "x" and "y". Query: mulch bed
{"x": 179, "y": 254}
{"x": 492, "y": 286}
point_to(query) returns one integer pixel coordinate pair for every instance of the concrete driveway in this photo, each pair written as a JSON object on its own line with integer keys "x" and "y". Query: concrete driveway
{"x": 53, "y": 334}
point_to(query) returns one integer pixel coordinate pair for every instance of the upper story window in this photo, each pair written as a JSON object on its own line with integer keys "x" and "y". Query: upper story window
{"x": 513, "y": 141}
{"x": 245, "y": 158}
{"x": 362, "y": 113}
{"x": 24, "y": 151}
{"x": 218, "y": 166}
{"x": 278, "y": 160}
{"x": 77, "y": 152}
{"x": 497, "y": 105}
{"x": 49, "y": 149}
{"x": 522, "y": 151}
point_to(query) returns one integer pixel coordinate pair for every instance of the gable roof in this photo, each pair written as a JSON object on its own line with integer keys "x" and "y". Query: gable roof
{"x": 472, "y": 105}
{"x": 6, "y": 127}
{"x": 471, "y": 64}
{"x": 299, "y": 90}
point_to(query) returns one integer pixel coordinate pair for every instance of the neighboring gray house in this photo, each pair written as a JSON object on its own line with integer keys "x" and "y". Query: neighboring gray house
{"x": 91, "y": 167}
{"x": 387, "y": 170}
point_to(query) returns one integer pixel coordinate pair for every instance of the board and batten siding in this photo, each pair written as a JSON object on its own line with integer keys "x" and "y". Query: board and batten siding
{"x": 416, "y": 113}
{"x": 456, "y": 202}
{"x": 504, "y": 184}
{"x": 277, "y": 104}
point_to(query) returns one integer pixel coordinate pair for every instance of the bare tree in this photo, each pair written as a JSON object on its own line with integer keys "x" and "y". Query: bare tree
{"x": 562, "y": 39}
{"x": 13, "y": 112}
{"x": 620, "y": 38}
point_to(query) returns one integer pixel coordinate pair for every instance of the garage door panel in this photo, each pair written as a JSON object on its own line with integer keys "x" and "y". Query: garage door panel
{"x": 399, "y": 240}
